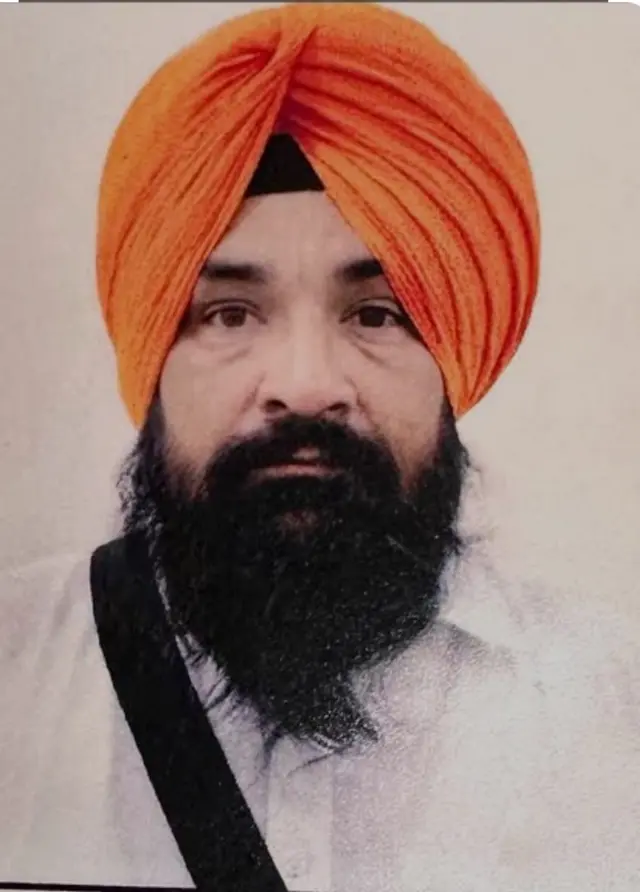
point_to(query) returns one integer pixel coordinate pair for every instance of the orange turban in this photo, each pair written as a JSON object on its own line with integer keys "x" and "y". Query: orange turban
{"x": 417, "y": 156}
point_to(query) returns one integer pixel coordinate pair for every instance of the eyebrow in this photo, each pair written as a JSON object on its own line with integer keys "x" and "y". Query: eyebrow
{"x": 250, "y": 273}
{"x": 358, "y": 271}
{"x": 352, "y": 273}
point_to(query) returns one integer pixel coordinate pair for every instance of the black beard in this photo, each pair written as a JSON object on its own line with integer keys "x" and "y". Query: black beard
{"x": 293, "y": 585}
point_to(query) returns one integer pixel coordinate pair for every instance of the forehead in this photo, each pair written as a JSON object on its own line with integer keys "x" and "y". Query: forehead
{"x": 288, "y": 231}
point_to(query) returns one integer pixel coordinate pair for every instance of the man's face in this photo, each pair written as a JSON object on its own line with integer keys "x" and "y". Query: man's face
{"x": 292, "y": 315}
{"x": 298, "y": 479}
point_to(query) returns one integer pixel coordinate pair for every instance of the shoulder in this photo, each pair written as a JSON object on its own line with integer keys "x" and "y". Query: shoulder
{"x": 589, "y": 654}
{"x": 575, "y": 639}
{"x": 40, "y": 601}
{"x": 573, "y": 649}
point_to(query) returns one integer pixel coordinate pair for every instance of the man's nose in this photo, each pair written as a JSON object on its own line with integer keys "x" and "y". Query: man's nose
{"x": 305, "y": 377}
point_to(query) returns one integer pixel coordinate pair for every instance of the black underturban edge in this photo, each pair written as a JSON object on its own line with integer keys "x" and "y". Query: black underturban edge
{"x": 283, "y": 168}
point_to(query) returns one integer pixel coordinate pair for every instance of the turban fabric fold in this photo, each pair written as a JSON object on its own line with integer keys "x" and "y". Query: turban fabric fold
{"x": 415, "y": 153}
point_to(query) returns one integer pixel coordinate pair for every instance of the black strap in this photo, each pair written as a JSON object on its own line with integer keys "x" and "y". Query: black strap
{"x": 206, "y": 811}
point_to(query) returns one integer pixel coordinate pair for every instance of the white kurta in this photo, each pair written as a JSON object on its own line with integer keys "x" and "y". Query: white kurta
{"x": 509, "y": 762}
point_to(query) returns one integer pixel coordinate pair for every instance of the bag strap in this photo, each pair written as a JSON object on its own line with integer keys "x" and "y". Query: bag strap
{"x": 212, "y": 824}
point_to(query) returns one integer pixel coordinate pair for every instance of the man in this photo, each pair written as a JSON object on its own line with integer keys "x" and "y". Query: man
{"x": 318, "y": 248}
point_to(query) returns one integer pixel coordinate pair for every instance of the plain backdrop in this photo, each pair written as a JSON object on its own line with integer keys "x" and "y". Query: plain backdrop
{"x": 559, "y": 436}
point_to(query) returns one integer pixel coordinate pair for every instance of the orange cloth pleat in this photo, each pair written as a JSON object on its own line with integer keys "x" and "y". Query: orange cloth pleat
{"x": 416, "y": 154}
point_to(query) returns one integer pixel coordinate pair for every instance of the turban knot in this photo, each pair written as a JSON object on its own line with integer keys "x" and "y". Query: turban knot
{"x": 415, "y": 153}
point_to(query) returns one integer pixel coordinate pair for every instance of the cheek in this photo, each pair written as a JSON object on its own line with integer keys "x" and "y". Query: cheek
{"x": 202, "y": 400}
{"x": 404, "y": 398}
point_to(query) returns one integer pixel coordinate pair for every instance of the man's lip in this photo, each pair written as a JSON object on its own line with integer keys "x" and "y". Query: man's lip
{"x": 296, "y": 468}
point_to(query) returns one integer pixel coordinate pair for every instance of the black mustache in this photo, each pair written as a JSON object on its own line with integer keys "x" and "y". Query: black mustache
{"x": 334, "y": 445}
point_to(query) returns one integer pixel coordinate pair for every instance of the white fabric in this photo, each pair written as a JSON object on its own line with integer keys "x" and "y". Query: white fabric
{"x": 510, "y": 758}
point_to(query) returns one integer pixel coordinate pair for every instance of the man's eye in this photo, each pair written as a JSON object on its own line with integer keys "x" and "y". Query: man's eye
{"x": 235, "y": 316}
{"x": 377, "y": 317}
